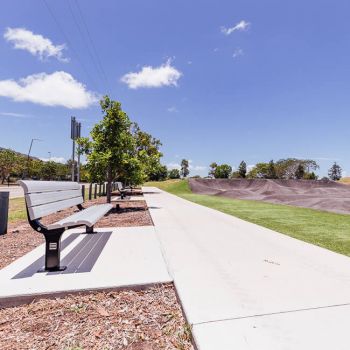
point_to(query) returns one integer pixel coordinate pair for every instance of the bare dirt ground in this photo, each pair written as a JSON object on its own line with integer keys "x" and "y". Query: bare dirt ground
{"x": 324, "y": 195}
{"x": 132, "y": 320}
{"x": 21, "y": 238}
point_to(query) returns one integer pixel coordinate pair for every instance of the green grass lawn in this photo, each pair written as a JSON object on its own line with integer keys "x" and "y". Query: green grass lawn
{"x": 328, "y": 230}
{"x": 17, "y": 209}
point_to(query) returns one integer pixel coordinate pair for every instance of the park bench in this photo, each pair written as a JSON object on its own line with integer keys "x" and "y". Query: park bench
{"x": 123, "y": 190}
{"x": 47, "y": 197}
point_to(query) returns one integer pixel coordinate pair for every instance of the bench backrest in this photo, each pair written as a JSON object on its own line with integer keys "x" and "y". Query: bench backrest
{"x": 47, "y": 197}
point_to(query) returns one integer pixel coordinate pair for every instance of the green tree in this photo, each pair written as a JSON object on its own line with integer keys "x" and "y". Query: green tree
{"x": 286, "y": 168}
{"x": 242, "y": 169}
{"x": 335, "y": 172}
{"x": 185, "y": 168}
{"x": 259, "y": 171}
{"x": 9, "y": 160}
{"x": 147, "y": 151}
{"x": 212, "y": 168}
{"x": 223, "y": 171}
{"x": 110, "y": 152}
{"x": 159, "y": 174}
{"x": 49, "y": 170}
{"x": 174, "y": 174}
{"x": 271, "y": 170}
{"x": 310, "y": 176}
{"x": 300, "y": 172}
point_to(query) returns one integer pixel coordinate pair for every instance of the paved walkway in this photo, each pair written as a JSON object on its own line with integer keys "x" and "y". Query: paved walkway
{"x": 15, "y": 191}
{"x": 246, "y": 287}
{"x": 112, "y": 258}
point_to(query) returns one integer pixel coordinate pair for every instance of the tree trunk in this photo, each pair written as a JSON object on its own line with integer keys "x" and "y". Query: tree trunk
{"x": 109, "y": 187}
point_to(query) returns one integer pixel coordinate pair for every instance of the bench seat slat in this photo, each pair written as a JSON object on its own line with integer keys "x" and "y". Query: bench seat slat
{"x": 48, "y": 186}
{"x": 34, "y": 199}
{"x": 86, "y": 217}
{"x": 50, "y": 208}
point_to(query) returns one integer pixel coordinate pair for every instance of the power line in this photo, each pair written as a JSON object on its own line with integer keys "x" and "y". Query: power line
{"x": 69, "y": 43}
{"x": 92, "y": 44}
{"x": 75, "y": 20}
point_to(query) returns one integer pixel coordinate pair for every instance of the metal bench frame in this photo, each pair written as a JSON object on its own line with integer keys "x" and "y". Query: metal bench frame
{"x": 53, "y": 237}
{"x": 53, "y": 241}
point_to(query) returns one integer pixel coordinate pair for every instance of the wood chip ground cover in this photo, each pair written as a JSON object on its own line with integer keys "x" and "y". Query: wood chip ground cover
{"x": 133, "y": 320}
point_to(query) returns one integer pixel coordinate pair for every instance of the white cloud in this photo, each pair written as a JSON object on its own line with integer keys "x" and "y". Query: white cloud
{"x": 250, "y": 167}
{"x": 198, "y": 167}
{"x": 172, "y": 109}
{"x": 240, "y": 26}
{"x": 36, "y": 44}
{"x": 191, "y": 166}
{"x": 238, "y": 52}
{"x": 173, "y": 166}
{"x": 153, "y": 77}
{"x": 55, "y": 159}
{"x": 56, "y": 89}
{"x": 15, "y": 115}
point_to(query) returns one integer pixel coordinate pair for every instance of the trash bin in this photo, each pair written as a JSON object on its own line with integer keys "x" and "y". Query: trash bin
{"x": 4, "y": 210}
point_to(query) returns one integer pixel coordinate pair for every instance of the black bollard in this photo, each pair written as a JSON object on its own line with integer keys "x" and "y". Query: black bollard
{"x": 4, "y": 210}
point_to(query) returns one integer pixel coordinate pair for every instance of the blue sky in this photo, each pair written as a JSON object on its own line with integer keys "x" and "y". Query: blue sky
{"x": 215, "y": 81}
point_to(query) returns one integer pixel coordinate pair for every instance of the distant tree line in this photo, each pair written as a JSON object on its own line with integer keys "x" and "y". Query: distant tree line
{"x": 14, "y": 165}
{"x": 290, "y": 168}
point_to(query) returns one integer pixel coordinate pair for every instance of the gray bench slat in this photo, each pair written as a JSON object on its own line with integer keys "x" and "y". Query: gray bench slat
{"x": 88, "y": 217}
{"x": 34, "y": 199}
{"x": 48, "y": 186}
{"x": 47, "y": 209}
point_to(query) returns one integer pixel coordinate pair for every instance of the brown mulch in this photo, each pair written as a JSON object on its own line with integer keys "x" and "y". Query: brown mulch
{"x": 132, "y": 320}
{"x": 21, "y": 238}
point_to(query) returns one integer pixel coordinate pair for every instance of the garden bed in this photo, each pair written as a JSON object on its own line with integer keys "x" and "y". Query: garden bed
{"x": 150, "y": 319}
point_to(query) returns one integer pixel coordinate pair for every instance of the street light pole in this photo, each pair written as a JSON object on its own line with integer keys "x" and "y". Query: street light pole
{"x": 28, "y": 158}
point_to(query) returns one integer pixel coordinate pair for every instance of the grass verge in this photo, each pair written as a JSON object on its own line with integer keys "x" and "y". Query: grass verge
{"x": 17, "y": 209}
{"x": 327, "y": 230}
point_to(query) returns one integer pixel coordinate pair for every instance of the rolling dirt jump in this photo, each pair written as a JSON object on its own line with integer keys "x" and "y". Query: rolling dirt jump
{"x": 322, "y": 195}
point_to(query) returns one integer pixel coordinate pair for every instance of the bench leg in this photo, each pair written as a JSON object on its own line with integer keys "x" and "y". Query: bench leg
{"x": 53, "y": 252}
{"x": 90, "y": 229}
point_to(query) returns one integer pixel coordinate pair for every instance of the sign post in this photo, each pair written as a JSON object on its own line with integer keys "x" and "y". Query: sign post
{"x": 75, "y": 129}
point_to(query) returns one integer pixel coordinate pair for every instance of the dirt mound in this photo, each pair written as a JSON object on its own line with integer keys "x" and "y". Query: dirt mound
{"x": 323, "y": 195}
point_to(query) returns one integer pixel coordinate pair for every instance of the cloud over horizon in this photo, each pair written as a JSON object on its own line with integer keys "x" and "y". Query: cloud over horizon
{"x": 56, "y": 89}
{"x": 36, "y": 44}
{"x": 240, "y": 26}
{"x": 153, "y": 77}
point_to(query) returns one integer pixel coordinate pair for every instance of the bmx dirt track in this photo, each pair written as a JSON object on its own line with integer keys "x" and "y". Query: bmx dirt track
{"x": 322, "y": 195}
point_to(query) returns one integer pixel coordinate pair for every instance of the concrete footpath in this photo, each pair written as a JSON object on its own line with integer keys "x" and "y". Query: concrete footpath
{"x": 113, "y": 258}
{"x": 246, "y": 287}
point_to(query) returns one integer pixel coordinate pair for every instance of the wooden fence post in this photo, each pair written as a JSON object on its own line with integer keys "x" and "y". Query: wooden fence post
{"x": 83, "y": 191}
{"x": 90, "y": 191}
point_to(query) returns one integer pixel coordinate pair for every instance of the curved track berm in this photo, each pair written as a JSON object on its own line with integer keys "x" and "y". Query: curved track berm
{"x": 323, "y": 195}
